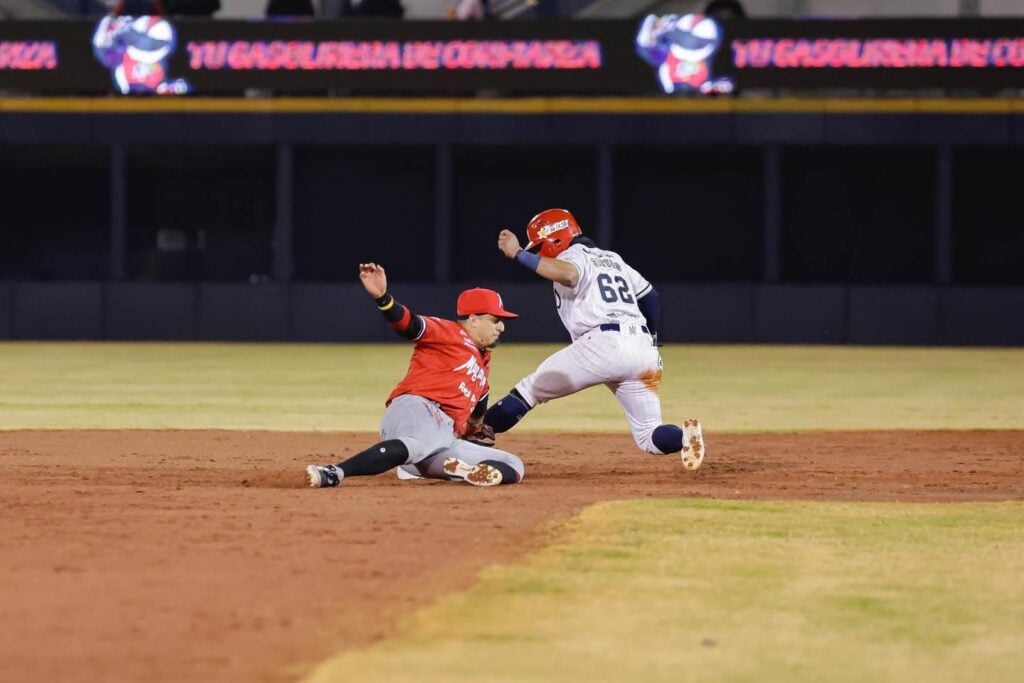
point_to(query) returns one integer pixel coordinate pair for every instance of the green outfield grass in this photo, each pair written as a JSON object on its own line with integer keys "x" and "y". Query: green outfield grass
{"x": 733, "y": 591}
{"x": 342, "y": 387}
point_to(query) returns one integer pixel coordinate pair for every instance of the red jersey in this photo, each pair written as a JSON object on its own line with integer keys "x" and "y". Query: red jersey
{"x": 447, "y": 367}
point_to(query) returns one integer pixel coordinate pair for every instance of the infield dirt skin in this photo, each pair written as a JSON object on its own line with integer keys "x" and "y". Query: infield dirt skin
{"x": 203, "y": 556}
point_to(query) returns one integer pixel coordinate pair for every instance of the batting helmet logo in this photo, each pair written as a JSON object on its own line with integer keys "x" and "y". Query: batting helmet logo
{"x": 551, "y": 232}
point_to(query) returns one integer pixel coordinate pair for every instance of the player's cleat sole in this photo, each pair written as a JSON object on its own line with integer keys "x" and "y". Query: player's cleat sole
{"x": 477, "y": 475}
{"x": 693, "y": 445}
{"x": 484, "y": 475}
{"x": 324, "y": 476}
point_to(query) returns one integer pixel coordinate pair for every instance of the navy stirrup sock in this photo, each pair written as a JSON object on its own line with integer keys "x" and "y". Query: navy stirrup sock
{"x": 504, "y": 414}
{"x": 668, "y": 438}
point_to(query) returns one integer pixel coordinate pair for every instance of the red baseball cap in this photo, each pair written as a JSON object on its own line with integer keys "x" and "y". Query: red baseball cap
{"x": 477, "y": 301}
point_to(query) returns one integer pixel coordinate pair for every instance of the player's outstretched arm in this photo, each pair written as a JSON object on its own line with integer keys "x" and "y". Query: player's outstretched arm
{"x": 562, "y": 272}
{"x": 401, "y": 319}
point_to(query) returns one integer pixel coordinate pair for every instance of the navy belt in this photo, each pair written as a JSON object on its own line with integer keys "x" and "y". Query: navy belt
{"x": 615, "y": 327}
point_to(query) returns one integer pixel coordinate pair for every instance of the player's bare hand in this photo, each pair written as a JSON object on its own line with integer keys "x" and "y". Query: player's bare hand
{"x": 374, "y": 279}
{"x": 508, "y": 243}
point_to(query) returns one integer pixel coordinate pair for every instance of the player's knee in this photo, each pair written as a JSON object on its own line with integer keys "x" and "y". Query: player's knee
{"x": 506, "y": 413}
{"x": 415, "y": 449}
{"x": 660, "y": 440}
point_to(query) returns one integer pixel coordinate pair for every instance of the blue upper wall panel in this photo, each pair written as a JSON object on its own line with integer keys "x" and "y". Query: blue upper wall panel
{"x": 513, "y": 122}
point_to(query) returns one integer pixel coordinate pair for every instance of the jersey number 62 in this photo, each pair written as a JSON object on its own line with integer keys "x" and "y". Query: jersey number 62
{"x": 606, "y": 285}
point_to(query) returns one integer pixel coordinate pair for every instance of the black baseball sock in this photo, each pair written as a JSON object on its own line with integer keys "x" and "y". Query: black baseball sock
{"x": 376, "y": 459}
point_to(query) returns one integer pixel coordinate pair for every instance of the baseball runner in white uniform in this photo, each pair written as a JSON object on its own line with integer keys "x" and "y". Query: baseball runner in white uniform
{"x": 611, "y": 313}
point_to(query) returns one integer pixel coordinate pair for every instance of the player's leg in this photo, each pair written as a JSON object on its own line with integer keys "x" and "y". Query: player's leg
{"x": 420, "y": 424}
{"x": 565, "y": 372}
{"x": 477, "y": 465}
{"x": 640, "y": 402}
{"x": 413, "y": 428}
{"x": 507, "y": 411}
{"x": 637, "y": 393}
{"x": 376, "y": 459}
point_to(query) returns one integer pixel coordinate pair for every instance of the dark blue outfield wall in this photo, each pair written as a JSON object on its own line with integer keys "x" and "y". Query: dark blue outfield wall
{"x": 731, "y": 313}
{"x": 818, "y": 221}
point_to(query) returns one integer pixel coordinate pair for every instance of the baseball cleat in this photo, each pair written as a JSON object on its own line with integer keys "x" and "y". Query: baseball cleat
{"x": 323, "y": 476}
{"x": 484, "y": 475}
{"x": 405, "y": 475}
{"x": 477, "y": 475}
{"x": 693, "y": 445}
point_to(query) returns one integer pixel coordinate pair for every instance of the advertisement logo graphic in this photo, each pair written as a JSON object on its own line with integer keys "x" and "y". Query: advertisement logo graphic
{"x": 681, "y": 49}
{"x": 136, "y": 50}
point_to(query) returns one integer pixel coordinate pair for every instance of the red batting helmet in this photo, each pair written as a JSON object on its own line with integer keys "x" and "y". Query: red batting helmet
{"x": 550, "y": 232}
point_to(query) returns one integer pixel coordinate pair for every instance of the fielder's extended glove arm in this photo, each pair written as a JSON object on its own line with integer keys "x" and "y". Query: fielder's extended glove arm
{"x": 476, "y": 431}
{"x": 480, "y": 434}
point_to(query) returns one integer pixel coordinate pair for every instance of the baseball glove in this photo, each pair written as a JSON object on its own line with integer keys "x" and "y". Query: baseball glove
{"x": 480, "y": 434}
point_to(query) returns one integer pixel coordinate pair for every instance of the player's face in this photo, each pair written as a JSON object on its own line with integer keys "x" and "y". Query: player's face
{"x": 485, "y": 329}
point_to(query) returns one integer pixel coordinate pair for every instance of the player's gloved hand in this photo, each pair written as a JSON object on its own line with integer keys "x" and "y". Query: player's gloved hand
{"x": 480, "y": 434}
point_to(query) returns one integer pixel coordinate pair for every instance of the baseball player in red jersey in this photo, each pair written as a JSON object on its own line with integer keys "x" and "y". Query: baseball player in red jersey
{"x": 611, "y": 313}
{"x": 442, "y": 397}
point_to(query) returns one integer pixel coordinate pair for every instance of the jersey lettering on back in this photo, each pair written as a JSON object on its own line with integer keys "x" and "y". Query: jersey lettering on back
{"x": 448, "y": 368}
{"x": 607, "y": 291}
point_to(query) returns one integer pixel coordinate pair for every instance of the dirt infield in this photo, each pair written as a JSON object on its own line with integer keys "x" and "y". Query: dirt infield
{"x": 186, "y": 555}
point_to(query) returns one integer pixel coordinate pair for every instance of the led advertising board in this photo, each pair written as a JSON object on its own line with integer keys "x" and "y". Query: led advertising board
{"x": 688, "y": 54}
